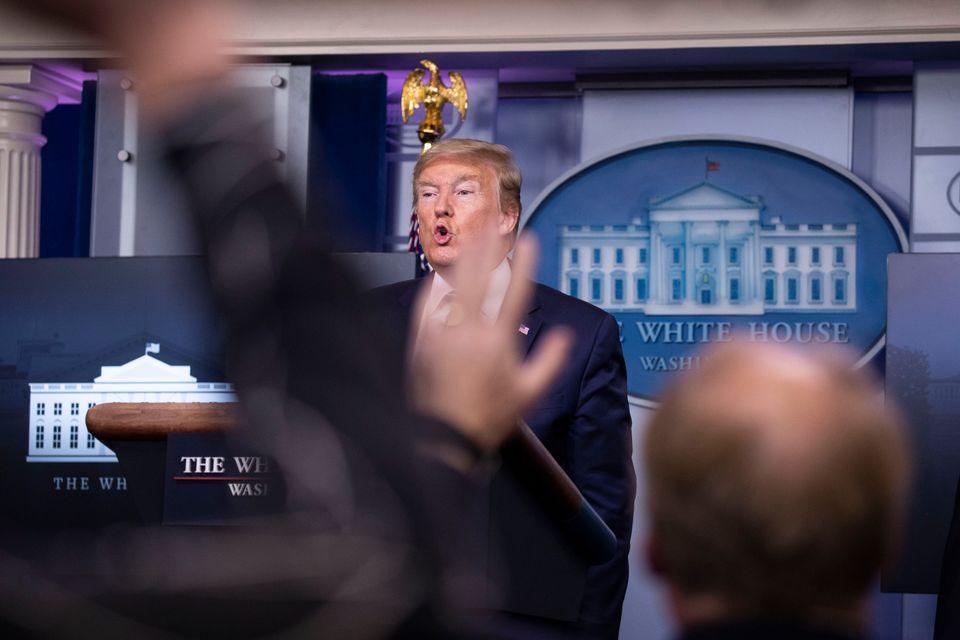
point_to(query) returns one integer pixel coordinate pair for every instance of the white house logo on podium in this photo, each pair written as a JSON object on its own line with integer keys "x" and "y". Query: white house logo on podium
{"x": 688, "y": 242}
{"x": 58, "y": 410}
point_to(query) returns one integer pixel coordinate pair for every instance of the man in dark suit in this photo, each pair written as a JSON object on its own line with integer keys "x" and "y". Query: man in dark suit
{"x": 776, "y": 484}
{"x": 464, "y": 189}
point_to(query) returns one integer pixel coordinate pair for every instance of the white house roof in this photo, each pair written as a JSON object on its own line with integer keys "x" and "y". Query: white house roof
{"x": 145, "y": 369}
{"x": 705, "y": 196}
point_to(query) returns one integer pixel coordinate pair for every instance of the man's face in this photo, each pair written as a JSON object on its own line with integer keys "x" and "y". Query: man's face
{"x": 456, "y": 205}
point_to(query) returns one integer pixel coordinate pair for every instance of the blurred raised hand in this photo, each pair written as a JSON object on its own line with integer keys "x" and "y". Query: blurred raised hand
{"x": 173, "y": 49}
{"x": 469, "y": 371}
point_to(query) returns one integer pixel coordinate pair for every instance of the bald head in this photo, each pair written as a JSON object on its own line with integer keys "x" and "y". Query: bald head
{"x": 775, "y": 481}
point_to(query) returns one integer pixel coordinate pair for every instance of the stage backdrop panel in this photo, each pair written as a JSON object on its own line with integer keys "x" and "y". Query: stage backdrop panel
{"x": 690, "y": 242}
{"x": 816, "y": 120}
{"x": 923, "y": 378}
{"x": 76, "y": 332}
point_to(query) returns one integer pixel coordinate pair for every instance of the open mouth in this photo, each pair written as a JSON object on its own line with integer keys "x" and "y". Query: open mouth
{"x": 441, "y": 234}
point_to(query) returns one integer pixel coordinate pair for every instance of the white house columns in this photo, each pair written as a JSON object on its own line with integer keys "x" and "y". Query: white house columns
{"x": 27, "y": 92}
{"x": 21, "y": 115}
{"x": 705, "y": 250}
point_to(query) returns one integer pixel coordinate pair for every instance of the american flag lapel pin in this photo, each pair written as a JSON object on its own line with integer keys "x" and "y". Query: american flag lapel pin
{"x": 524, "y": 329}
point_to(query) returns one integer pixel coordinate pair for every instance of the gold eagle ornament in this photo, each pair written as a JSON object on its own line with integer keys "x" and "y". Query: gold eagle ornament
{"x": 432, "y": 96}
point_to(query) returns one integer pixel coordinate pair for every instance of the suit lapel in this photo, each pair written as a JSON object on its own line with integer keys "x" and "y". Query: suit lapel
{"x": 401, "y": 316}
{"x": 531, "y": 323}
{"x": 404, "y": 308}
{"x": 401, "y": 312}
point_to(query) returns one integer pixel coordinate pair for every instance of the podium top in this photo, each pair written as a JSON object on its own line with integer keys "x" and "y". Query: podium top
{"x": 155, "y": 420}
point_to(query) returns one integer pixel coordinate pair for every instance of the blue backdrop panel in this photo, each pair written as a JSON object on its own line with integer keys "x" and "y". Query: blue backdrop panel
{"x": 347, "y": 163}
{"x": 67, "y": 170}
{"x": 64, "y": 319}
{"x": 594, "y": 226}
{"x": 923, "y": 378}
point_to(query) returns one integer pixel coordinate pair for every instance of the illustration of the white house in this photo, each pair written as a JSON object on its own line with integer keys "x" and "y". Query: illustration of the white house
{"x": 58, "y": 431}
{"x": 705, "y": 251}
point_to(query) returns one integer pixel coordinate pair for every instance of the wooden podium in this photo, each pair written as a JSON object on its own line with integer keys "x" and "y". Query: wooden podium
{"x": 137, "y": 432}
{"x": 554, "y": 534}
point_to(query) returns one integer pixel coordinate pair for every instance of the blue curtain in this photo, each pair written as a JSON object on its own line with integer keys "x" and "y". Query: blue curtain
{"x": 66, "y": 184}
{"x": 347, "y": 172}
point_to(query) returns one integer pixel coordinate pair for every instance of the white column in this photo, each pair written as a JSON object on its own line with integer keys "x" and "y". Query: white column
{"x": 665, "y": 285}
{"x": 654, "y": 268}
{"x": 722, "y": 266}
{"x": 27, "y": 92}
{"x": 690, "y": 283}
{"x": 21, "y": 115}
{"x": 747, "y": 287}
{"x": 756, "y": 269}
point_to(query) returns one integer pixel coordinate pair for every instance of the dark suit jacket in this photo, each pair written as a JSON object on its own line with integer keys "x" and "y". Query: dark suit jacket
{"x": 584, "y": 421}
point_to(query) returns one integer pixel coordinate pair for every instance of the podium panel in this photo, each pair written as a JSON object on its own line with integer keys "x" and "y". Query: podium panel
{"x": 923, "y": 378}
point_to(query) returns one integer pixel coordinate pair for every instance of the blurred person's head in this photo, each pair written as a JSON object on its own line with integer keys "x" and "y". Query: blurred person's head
{"x": 776, "y": 482}
{"x": 463, "y": 189}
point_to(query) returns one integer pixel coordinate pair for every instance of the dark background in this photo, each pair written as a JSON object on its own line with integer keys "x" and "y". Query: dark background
{"x": 62, "y": 320}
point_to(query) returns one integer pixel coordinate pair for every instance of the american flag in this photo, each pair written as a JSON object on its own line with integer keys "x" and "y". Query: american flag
{"x": 413, "y": 245}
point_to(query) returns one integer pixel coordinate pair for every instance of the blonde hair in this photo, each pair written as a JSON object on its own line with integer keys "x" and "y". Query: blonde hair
{"x": 497, "y": 156}
{"x": 775, "y": 480}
